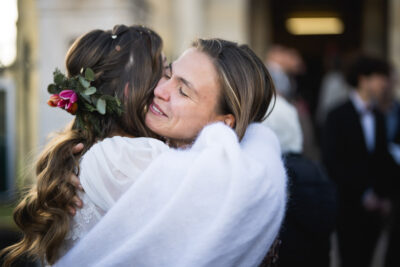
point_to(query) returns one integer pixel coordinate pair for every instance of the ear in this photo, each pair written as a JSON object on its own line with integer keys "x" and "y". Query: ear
{"x": 228, "y": 119}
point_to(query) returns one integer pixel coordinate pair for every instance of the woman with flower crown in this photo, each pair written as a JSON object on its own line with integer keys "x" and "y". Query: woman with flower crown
{"x": 211, "y": 202}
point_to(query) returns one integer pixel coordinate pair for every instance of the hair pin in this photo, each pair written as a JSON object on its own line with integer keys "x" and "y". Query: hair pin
{"x": 114, "y": 36}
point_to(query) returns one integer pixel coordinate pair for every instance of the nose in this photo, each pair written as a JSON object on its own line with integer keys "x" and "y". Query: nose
{"x": 162, "y": 89}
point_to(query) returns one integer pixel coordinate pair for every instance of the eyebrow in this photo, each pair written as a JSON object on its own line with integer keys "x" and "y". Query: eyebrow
{"x": 184, "y": 81}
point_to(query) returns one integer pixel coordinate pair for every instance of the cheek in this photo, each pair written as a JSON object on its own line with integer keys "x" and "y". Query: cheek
{"x": 195, "y": 120}
{"x": 148, "y": 121}
{"x": 188, "y": 121}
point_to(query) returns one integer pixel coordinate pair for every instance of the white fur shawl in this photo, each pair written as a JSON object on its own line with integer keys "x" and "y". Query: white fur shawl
{"x": 219, "y": 203}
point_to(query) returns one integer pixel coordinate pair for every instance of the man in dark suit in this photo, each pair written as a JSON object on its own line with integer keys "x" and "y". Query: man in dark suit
{"x": 355, "y": 152}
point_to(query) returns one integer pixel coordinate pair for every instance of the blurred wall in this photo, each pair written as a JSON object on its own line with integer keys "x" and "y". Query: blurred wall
{"x": 179, "y": 22}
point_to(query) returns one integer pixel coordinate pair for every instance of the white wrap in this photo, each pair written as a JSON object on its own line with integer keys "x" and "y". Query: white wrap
{"x": 219, "y": 203}
{"x": 113, "y": 165}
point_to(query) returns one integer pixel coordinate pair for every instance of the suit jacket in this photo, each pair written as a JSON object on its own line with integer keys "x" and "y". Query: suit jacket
{"x": 310, "y": 216}
{"x": 347, "y": 159}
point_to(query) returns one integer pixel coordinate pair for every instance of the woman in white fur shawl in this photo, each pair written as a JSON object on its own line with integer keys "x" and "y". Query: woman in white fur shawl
{"x": 214, "y": 201}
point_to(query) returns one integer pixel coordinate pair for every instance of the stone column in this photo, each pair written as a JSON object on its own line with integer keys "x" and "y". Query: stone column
{"x": 394, "y": 38}
{"x": 228, "y": 19}
{"x": 374, "y": 28}
{"x": 162, "y": 21}
{"x": 27, "y": 96}
{"x": 179, "y": 22}
{"x": 188, "y": 23}
{"x": 260, "y": 27}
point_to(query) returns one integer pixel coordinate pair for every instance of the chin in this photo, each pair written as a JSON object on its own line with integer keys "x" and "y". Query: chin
{"x": 155, "y": 126}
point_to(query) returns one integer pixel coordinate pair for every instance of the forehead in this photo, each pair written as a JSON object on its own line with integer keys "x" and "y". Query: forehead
{"x": 197, "y": 68}
{"x": 379, "y": 76}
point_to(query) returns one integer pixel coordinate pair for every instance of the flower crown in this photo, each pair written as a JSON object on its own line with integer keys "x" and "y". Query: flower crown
{"x": 77, "y": 96}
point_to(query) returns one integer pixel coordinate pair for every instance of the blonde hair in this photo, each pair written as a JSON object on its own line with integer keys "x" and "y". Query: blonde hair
{"x": 246, "y": 86}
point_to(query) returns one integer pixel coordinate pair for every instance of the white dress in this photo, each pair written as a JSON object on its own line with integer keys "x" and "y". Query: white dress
{"x": 107, "y": 170}
{"x": 219, "y": 203}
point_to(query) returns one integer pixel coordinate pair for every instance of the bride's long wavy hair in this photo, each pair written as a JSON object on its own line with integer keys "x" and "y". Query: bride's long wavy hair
{"x": 127, "y": 62}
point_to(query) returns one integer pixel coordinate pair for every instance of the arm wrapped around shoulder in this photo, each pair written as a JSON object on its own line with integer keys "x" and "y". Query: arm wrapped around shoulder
{"x": 220, "y": 203}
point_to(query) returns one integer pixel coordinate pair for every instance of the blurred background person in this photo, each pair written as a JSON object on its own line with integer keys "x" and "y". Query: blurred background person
{"x": 334, "y": 88}
{"x": 355, "y": 153}
{"x": 390, "y": 107}
{"x": 285, "y": 65}
{"x": 310, "y": 217}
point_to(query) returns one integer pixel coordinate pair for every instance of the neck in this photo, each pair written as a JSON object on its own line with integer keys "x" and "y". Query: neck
{"x": 179, "y": 143}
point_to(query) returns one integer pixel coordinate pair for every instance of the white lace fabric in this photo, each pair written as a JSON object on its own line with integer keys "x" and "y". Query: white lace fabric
{"x": 84, "y": 219}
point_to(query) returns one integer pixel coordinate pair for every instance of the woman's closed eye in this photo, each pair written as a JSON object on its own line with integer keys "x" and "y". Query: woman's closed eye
{"x": 182, "y": 92}
{"x": 167, "y": 73}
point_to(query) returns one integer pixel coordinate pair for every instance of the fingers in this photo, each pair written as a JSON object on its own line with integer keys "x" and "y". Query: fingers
{"x": 77, "y": 202}
{"x": 74, "y": 180}
{"x": 77, "y": 148}
{"x": 71, "y": 210}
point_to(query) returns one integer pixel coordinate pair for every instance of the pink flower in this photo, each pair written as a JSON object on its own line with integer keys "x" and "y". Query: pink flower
{"x": 68, "y": 99}
{"x": 53, "y": 101}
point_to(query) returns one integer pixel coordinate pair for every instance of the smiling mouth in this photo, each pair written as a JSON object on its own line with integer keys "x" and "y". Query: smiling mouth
{"x": 156, "y": 109}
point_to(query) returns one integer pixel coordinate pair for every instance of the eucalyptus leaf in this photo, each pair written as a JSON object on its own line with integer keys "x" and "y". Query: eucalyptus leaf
{"x": 84, "y": 82}
{"x": 79, "y": 87}
{"x": 58, "y": 78}
{"x": 90, "y": 91}
{"x": 52, "y": 89}
{"x": 87, "y": 98}
{"x": 89, "y": 74}
{"x": 89, "y": 107}
{"x": 101, "y": 106}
